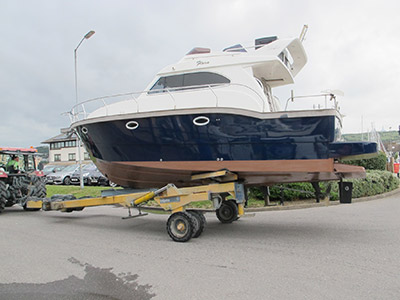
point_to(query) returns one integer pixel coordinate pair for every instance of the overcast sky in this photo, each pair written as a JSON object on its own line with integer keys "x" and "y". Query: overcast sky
{"x": 352, "y": 46}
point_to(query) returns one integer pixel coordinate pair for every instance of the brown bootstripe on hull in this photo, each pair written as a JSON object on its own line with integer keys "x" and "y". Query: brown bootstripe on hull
{"x": 155, "y": 174}
{"x": 306, "y": 165}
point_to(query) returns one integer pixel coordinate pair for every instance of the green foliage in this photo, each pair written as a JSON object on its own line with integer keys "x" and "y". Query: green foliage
{"x": 291, "y": 191}
{"x": 389, "y": 136}
{"x": 43, "y": 150}
{"x": 386, "y": 136}
{"x": 352, "y": 137}
{"x": 375, "y": 163}
{"x": 255, "y": 193}
{"x": 376, "y": 182}
{"x": 294, "y": 191}
{"x": 89, "y": 191}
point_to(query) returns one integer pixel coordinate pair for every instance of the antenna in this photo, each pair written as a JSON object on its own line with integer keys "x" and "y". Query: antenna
{"x": 303, "y": 33}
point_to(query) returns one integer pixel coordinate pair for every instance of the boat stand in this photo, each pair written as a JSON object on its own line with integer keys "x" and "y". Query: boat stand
{"x": 130, "y": 216}
{"x": 226, "y": 194}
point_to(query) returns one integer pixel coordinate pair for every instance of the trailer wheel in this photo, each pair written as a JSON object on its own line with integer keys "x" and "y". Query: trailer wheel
{"x": 180, "y": 226}
{"x": 3, "y": 199}
{"x": 200, "y": 222}
{"x": 227, "y": 212}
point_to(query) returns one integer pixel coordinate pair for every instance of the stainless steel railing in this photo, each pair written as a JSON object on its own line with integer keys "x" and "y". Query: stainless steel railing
{"x": 330, "y": 100}
{"x": 81, "y": 111}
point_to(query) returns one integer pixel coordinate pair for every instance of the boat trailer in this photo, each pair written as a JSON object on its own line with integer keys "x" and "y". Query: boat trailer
{"x": 227, "y": 195}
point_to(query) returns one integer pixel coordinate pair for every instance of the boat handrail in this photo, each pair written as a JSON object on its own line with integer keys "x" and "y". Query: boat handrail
{"x": 80, "y": 112}
{"x": 332, "y": 97}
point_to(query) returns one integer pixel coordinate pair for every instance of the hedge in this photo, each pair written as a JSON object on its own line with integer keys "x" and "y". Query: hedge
{"x": 376, "y": 182}
{"x": 375, "y": 163}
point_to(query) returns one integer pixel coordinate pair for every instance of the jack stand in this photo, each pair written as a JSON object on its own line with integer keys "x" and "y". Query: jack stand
{"x": 140, "y": 214}
{"x": 317, "y": 189}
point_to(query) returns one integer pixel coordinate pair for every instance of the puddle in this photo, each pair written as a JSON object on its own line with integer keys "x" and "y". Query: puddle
{"x": 97, "y": 284}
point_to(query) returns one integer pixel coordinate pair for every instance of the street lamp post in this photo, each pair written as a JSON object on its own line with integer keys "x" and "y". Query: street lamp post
{"x": 78, "y": 141}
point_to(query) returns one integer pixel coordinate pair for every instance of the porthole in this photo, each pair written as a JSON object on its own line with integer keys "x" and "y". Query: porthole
{"x": 85, "y": 130}
{"x": 132, "y": 125}
{"x": 201, "y": 121}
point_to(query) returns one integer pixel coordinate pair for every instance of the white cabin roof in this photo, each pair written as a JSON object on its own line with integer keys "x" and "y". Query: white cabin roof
{"x": 277, "y": 62}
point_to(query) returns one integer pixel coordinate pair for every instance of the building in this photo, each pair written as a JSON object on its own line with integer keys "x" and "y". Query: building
{"x": 63, "y": 149}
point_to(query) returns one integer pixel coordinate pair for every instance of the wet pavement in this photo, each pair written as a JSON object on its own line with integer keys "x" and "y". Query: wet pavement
{"x": 97, "y": 283}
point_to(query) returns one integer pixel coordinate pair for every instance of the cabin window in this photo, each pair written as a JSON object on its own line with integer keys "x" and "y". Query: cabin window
{"x": 187, "y": 81}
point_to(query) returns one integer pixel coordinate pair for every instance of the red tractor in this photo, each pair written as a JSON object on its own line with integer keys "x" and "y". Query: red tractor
{"x": 20, "y": 179}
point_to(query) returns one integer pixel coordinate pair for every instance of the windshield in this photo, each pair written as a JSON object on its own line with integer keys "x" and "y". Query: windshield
{"x": 70, "y": 168}
{"x": 49, "y": 168}
{"x": 26, "y": 163}
{"x": 89, "y": 167}
{"x": 189, "y": 80}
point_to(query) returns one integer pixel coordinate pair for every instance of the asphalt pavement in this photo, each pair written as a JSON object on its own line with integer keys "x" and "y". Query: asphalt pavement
{"x": 347, "y": 251}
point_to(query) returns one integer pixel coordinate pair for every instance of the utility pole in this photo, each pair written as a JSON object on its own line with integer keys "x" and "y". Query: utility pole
{"x": 78, "y": 140}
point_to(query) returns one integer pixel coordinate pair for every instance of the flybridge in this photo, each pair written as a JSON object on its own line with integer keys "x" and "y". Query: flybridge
{"x": 235, "y": 48}
{"x": 272, "y": 60}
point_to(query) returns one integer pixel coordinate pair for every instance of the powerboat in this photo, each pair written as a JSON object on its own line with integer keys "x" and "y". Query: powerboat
{"x": 214, "y": 110}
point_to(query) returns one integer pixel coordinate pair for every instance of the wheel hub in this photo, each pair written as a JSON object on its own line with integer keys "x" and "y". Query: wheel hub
{"x": 181, "y": 226}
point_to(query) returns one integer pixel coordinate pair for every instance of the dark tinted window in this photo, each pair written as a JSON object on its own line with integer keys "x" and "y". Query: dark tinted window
{"x": 187, "y": 80}
{"x": 203, "y": 78}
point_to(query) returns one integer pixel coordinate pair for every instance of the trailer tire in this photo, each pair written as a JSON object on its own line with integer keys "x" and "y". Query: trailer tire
{"x": 180, "y": 226}
{"x": 200, "y": 222}
{"x": 227, "y": 212}
{"x": 3, "y": 193}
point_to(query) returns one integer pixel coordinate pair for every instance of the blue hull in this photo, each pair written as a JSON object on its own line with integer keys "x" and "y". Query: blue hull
{"x": 225, "y": 137}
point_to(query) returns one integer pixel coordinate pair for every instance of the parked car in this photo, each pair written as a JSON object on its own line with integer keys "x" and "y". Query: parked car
{"x": 63, "y": 176}
{"x": 52, "y": 169}
{"x": 91, "y": 176}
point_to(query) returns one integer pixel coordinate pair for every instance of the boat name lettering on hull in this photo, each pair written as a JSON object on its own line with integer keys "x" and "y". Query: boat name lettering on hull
{"x": 199, "y": 62}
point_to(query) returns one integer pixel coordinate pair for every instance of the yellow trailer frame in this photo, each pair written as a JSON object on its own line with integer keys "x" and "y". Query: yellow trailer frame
{"x": 228, "y": 200}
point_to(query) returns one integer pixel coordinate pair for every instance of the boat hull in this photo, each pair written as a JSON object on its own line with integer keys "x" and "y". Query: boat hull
{"x": 151, "y": 150}
{"x": 224, "y": 136}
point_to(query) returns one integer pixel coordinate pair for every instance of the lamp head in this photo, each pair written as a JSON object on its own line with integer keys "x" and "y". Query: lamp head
{"x": 89, "y": 34}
